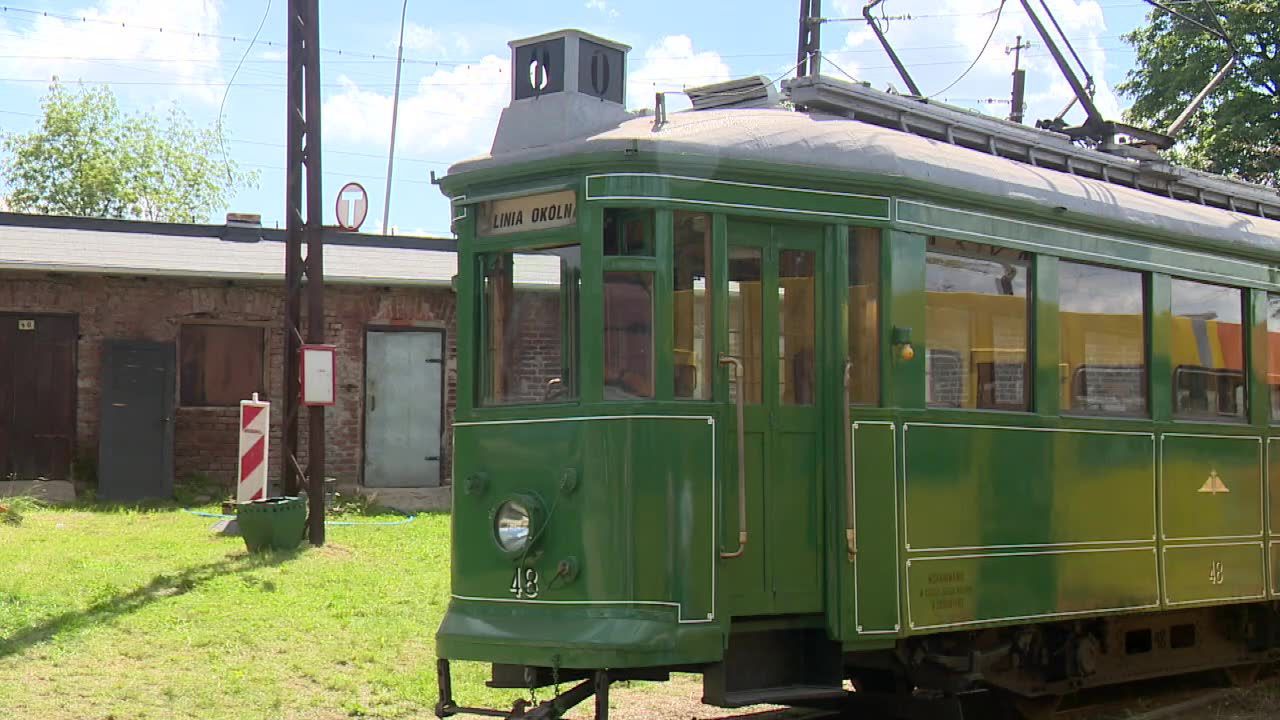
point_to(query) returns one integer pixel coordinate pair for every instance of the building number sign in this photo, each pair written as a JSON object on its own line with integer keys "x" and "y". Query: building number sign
{"x": 26, "y": 324}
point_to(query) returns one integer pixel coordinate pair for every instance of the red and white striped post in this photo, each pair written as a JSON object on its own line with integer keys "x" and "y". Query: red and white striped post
{"x": 255, "y": 424}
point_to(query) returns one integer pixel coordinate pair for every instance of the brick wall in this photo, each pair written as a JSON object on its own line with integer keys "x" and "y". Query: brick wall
{"x": 154, "y": 309}
{"x": 535, "y": 346}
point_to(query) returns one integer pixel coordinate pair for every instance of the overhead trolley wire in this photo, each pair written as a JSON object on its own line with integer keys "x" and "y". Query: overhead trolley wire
{"x": 219, "y": 36}
{"x": 222, "y": 143}
{"x": 994, "y": 25}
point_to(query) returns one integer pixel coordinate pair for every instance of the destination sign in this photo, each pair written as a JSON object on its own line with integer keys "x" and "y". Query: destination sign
{"x": 532, "y": 212}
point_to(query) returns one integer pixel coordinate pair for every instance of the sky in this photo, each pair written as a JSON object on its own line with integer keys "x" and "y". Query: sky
{"x": 198, "y": 55}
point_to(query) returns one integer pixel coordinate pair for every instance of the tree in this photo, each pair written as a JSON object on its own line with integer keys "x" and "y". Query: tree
{"x": 1237, "y": 132}
{"x": 87, "y": 158}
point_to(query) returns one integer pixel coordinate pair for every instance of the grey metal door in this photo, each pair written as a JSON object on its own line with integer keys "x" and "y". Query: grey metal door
{"x": 135, "y": 446}
{"x": 403, "y": 407}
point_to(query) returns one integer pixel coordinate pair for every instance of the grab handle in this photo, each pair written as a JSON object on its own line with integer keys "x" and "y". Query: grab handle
{"x": 742, "y": 460}
{"x": 850, "y": 498}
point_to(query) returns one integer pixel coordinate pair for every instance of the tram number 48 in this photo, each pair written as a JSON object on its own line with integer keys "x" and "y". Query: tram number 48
{"x": 1215, "y": 573}
{"x": 525, "y": 583}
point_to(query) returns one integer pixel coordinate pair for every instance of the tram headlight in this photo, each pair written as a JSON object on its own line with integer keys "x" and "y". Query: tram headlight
{"x": 513, "y": 524}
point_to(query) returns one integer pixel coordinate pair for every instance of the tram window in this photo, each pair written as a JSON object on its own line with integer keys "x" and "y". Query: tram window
{"x": 746, "y": 315}
{"x": 797, "y": 331}
{"x": 1102, "y": 340}
{"x": 864, "y": 316}
{"x": 1273, "y": 354}
{"x": 628, "y": 335}
{"x": 628, "y": 232}
{"x": 530, "y": 316}
{"x": 691, "y": 306}
{"x": 976, "y": 313}
{"x": 1208, "y": 351}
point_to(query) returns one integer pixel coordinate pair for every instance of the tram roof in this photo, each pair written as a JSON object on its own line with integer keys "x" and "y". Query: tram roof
{"x": 834, "y": 143}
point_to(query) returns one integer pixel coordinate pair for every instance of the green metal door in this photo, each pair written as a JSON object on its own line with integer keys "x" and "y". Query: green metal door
{"x": 774, "y": 293}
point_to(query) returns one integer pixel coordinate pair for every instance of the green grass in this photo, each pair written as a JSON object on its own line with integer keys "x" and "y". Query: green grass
{"x": 124, "y": 614}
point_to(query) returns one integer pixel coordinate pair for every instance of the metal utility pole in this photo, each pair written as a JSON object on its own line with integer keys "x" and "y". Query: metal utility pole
{"x": 1019, "y": 79}
{"x": 809, "y": 52}
{"x": 303, "y": 159}
{"x": 395, "y": 113}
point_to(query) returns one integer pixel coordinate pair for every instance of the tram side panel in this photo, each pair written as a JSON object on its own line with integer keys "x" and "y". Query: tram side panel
{"x": 1009, "y": 524}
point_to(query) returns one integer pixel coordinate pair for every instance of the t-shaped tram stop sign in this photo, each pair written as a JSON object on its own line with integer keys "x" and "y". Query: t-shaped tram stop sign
{"x": 352, "y": 207}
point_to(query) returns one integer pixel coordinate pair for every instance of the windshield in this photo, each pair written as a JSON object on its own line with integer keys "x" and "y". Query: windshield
{"x": 530, "y": 317}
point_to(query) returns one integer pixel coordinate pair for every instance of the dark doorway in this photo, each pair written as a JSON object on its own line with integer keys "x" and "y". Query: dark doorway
{"x": 135, "y": 445}
{"x": 37, "y": 396}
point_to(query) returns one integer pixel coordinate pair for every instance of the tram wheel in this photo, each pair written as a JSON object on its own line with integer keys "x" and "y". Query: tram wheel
{"x": 1241, "y": 676}
{"x": 881, "y": 682}
{"x": 1036, "y": 708}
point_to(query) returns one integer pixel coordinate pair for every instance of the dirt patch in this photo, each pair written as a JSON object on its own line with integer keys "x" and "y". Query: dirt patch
{"x": 678, "y": 699}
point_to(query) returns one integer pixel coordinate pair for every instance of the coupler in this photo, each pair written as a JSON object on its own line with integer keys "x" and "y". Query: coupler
{"x": 553, "y": 709}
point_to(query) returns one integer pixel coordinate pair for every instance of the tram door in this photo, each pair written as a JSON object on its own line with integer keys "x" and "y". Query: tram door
{"x": 773, "y": 307}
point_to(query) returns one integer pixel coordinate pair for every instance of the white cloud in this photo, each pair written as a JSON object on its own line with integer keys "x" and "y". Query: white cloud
{"x": 603, "y": 6}
{"x": 423, "y": 39}
{"x": 454, "y": 111}
{"x": 100, "y": 48}
{"x": 672, "y": 64}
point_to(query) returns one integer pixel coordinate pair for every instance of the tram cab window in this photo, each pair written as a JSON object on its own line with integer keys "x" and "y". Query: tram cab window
{"x": 864, "y": 316}
{"x": 628, "y": 233}
{"x": 1208, "y": 351}
{"x": 1273, "y": 354}
{"x": 530, "y": 320}
{"x": 976, "y": 326}
{"x": 691, "y": 306}
{"x": 1102, "y": 338}
{"x": 628, "y": 335}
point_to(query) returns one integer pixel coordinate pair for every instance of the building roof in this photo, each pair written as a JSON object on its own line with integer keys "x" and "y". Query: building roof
{"x": 234, "y": 252}
{"x": 843, "y": 145}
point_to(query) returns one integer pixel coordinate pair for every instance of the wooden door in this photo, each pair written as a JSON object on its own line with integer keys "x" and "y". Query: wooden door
{"x": 37, "y": 396}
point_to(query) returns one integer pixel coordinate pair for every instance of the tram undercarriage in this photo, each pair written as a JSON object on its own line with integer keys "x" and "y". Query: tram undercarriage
{"x": 1023, "y": 672}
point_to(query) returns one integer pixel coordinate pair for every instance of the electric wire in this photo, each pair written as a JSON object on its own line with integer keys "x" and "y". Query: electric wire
{"x": 985, "y": 45}
{"x": 84, "y": 19}
{"x": 1217, "y": 19}
{"x": 833, "y": 64}
{"x": 222, "y": 143}
{"x": 1187, "y": 18}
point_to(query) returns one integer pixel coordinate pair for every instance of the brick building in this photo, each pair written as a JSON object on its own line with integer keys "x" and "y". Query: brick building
{"x": 82, "y": 302}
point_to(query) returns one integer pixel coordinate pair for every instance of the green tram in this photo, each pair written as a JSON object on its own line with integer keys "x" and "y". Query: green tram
{"x": 790, "y": 399}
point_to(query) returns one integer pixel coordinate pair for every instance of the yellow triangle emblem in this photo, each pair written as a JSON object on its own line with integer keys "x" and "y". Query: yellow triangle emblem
{"x": 1214, "y": 485}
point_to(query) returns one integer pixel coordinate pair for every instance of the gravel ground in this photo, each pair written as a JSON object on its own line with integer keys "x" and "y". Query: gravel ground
{"x": 680, "y": 699}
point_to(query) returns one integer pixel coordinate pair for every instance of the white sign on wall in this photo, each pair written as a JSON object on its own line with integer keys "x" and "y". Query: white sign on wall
{"x": 531, "y": 212}
{"x": 319, "y": 375}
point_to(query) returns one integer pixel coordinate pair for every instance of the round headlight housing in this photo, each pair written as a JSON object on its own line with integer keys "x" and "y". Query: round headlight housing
{"x": 513, "y": 525}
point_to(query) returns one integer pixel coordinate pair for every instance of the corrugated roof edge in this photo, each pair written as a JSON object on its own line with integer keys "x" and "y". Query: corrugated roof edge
{"x": 232, "y": 233}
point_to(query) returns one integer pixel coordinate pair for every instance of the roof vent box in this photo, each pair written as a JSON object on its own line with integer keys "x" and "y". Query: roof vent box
{"x": 564, "y": 84}
{"x": 756, "y": 91}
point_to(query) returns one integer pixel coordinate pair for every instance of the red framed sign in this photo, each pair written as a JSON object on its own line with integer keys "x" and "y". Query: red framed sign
{"x": 318, "y": 368}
